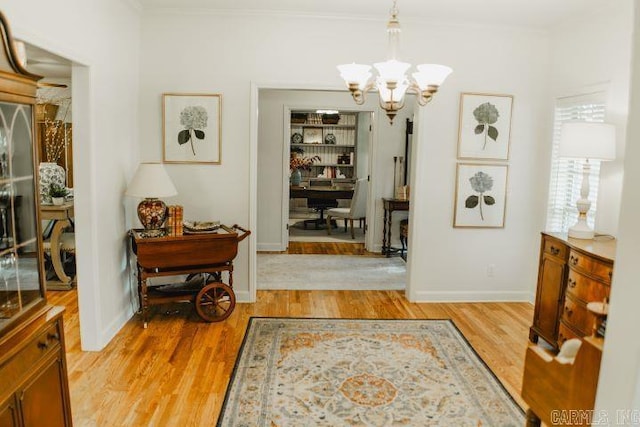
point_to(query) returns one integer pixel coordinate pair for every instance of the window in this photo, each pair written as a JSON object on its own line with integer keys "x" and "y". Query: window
{"x": 566, "y": 174}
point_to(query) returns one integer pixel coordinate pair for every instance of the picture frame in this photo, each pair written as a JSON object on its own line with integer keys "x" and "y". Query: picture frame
{"x": 312, "y": 136}
{"x": 192, "y": 128}
{"x": 484, "y": 130}
{"x": 480, "y": 196}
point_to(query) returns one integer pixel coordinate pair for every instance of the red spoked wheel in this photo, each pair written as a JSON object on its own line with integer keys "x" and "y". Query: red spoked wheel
{"x": 215, "y": 302}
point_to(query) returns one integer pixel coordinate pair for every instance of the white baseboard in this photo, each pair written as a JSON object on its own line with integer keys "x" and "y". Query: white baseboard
{"x": 475, "y": 296}
{"x": 114, "y": 327}
{"x": 270, "y": 247}
{"x": 243, "y": 296}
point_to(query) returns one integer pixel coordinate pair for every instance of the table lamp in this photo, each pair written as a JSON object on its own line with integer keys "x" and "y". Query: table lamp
{"x": 150, "y": 182}
{"x": 588, "y": 141}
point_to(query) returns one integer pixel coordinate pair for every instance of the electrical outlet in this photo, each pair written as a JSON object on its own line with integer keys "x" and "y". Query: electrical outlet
{"x": 491, "y": 269}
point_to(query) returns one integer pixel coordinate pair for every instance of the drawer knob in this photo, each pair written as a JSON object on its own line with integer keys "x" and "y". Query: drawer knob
{"x": 53, "y": 336}
{"x": 568, "y": 311}
{"x": 572, "y": 282}
{"x": 43, "y": 345}
{"x": 574, "y": 260}
{"x": 554, "y": 250}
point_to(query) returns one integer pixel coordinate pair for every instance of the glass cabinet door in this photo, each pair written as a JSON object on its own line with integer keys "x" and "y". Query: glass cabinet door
{"x": 20, "y": 283}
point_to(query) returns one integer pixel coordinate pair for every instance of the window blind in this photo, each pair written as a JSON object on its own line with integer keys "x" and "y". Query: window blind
{"x": 566, "y": 174}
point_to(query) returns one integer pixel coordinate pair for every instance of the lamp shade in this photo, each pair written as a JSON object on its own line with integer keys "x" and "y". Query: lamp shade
{"x": 588, "y": 140}
{"x": 151, "y": 181}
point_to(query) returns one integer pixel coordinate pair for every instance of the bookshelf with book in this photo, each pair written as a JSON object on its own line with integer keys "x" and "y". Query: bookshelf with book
{"x": 331, "y": 137}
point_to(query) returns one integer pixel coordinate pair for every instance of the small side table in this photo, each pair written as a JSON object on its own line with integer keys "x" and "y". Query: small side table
{"x": 390, "y": 205}
{"x": 62, "y": 217}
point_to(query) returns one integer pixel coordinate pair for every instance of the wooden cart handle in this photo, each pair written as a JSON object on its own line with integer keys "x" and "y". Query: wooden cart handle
{"x": 245, "y": 232}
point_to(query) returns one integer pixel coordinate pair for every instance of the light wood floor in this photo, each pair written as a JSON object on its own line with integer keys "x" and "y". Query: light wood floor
{"x": 326, "y": 248}
{"x": 176, "y": 371}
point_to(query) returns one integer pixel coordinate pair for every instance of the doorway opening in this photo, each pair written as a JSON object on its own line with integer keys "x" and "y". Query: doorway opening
{"x": 281, "y": 209}
{"x": 328, "y": 173}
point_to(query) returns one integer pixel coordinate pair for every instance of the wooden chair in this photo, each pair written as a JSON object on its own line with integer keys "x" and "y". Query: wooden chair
{"x": 553, "y": 389}
{"x": 357, "y": 209}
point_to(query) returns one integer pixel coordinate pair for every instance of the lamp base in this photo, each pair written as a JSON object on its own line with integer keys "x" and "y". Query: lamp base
{"x": 581, "y": 230}
{"x": 152, "y": 213}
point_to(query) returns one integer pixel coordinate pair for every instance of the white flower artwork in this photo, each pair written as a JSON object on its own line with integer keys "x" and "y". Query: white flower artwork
{"x": 481, "y": 192}
{"x": 485, "y": 126}
{"x": 191, "y": 127}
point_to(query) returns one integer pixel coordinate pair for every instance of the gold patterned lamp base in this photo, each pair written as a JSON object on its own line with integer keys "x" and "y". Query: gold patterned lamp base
{"x": 152, "y": 213}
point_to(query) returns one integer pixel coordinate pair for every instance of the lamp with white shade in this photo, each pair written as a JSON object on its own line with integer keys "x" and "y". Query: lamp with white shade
{"x": 588, "y": 141}
{"x": 151, "y": 182}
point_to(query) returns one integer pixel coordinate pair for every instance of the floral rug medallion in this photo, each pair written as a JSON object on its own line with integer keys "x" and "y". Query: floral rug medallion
{"x": 336, "y": 372}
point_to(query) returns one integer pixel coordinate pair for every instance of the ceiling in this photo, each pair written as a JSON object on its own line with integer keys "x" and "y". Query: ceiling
{"x": 534, "y": 14}
{"x": 538, "y": 14}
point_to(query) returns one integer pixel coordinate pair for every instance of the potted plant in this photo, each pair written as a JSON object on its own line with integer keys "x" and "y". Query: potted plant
{"x": 57, "y": 193}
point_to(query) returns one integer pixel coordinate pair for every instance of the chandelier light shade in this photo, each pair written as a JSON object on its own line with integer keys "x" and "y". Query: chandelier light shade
{"x": 391, "y": 81}
{"x": 587, "y": 141}
{"x": 150, "y": 182}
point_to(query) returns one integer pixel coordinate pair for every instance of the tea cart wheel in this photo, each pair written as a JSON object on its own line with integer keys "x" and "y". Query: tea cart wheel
{"x": 215, "y": 302}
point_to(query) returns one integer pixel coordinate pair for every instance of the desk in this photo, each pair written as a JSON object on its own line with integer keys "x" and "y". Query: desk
{"x": 328, "y": 194}
{"x": 190, "y": 254}
{"x": 390, "y": 205}
{"x": 62, "y": 217}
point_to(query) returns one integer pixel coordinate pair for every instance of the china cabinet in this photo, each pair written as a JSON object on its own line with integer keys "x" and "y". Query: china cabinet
{"x": 33, "y": 376}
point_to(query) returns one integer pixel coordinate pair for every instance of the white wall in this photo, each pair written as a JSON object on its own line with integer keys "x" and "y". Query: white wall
{"x": 450, "y": 264}
{"x": 593, "y": 52}
{"x": 225, "y": 52}
{"x": 620, "y": 369}
{"x": 272, "y": 143}
{"x": 105, "y": 104}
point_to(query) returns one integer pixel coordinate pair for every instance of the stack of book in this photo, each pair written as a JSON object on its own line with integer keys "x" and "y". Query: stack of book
{"x": 174, "y": 220}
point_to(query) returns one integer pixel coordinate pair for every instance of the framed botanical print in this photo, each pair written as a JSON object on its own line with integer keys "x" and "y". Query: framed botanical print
{"x": 191, "y": 126}
{"x": 485, "y": 126}
{"x": 480, "y": 197}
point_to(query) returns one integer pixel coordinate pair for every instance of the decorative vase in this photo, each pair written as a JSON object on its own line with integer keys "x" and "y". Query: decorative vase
{"x": 296, "y": 177}
{"x": 57, "y": 200}
{"x": 50, "y": 173}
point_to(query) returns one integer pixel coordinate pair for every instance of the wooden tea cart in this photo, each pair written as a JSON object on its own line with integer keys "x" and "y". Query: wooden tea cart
{"x": 203, "y": 257}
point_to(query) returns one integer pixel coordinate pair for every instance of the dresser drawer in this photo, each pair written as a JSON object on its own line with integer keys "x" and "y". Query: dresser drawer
{"x": 555, "y": 248}
{"x": 583, "y": 288}
{"x": 565, "y": 333}
{"x": 24, "y": 361}
{"x": 590, "y": 265}
{"x": 577, "y": 315}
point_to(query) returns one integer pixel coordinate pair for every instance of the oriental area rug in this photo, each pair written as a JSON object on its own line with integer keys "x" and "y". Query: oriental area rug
{"x": 341, "y": 372}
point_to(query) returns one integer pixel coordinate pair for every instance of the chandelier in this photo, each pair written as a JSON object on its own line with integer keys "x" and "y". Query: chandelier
{"x": 392, "y": 82}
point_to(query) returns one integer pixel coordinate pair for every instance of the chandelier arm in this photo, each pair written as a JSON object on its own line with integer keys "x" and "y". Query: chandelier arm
{"x": 360, "y": 94}
{"x": 423, "y": 96}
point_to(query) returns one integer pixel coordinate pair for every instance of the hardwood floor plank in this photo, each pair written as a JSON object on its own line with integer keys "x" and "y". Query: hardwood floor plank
{"x": 176, "y": 371}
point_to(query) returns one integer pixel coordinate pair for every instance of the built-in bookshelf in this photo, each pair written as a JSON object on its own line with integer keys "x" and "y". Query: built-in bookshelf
{"x": 332, "y": 138}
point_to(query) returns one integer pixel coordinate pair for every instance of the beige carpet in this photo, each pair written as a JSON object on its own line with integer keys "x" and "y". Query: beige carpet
{"x": 330, "y": 272}
{"x": 341, "y": 372}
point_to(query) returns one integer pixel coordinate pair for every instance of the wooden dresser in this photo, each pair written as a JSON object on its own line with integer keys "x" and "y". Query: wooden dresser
{"x": 572, "y": 273}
